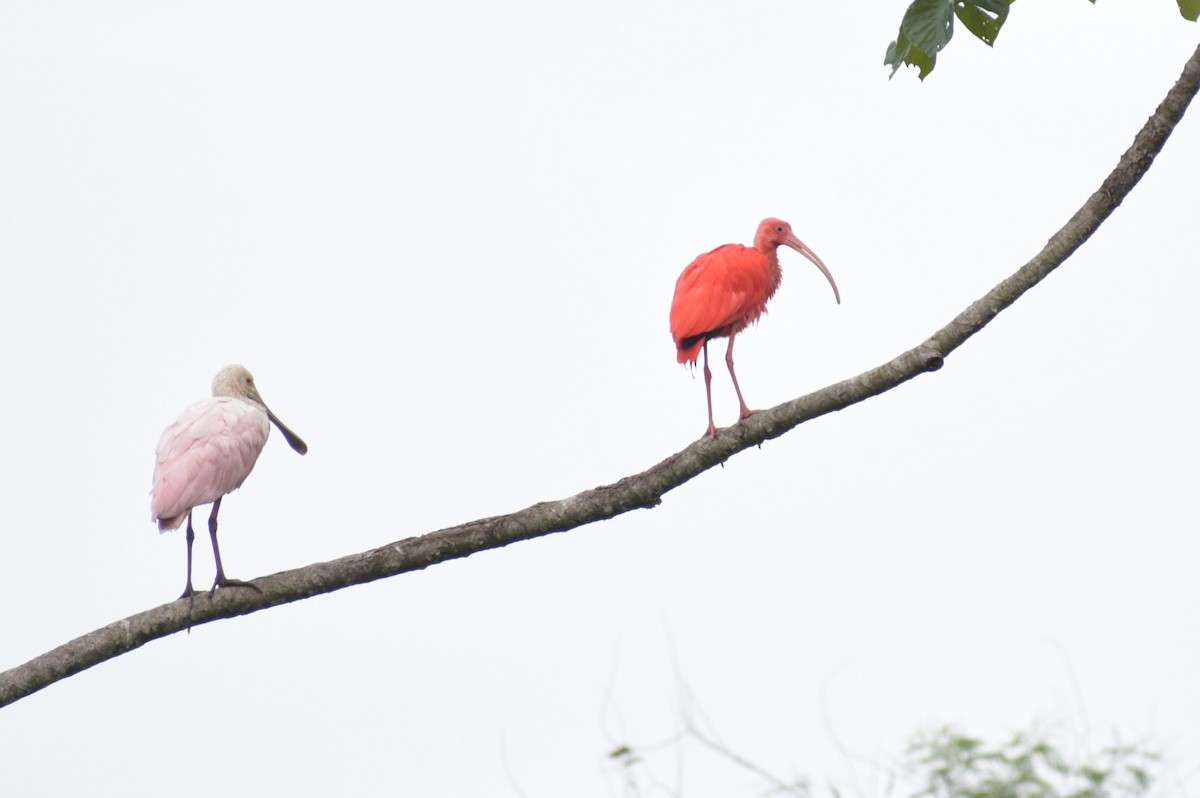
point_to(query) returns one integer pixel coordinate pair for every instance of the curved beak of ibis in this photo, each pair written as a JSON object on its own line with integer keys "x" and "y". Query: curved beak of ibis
{"x": 292, "y": 438}
{"x": 803, "y": 249}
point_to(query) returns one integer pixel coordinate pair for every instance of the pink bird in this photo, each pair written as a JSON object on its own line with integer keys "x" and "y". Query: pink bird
{"x": 724, "y": 291}
{"x": 208, "y": 452}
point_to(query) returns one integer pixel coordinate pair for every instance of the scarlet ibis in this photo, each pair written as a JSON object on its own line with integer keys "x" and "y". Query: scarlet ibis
{"x": 724, "y": 291}
{"x": 208, "y": 452}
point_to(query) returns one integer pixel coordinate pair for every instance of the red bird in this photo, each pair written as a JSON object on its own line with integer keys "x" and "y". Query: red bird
{"x": 724, "y": 291}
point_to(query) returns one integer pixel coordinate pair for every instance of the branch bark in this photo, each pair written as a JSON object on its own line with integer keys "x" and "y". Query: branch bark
{"x": 644, "y": 490}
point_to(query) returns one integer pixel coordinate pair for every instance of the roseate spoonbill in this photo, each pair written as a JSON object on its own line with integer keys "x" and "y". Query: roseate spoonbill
{"x": 724, "y": 291}
{"x": 208, "y": 452}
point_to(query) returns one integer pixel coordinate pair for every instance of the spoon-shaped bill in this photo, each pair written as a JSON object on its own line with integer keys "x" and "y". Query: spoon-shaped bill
{"x": 292, "y": 438}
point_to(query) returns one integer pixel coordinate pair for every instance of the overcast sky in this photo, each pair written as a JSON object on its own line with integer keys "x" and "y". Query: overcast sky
{"x": 444, "y": 237}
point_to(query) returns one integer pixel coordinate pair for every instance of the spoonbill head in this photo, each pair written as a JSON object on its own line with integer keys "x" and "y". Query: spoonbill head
{"x": 238, "y": 383}
{"x": 207, "y": 453}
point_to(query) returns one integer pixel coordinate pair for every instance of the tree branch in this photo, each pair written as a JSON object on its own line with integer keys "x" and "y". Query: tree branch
{"x": 643, "y": 490}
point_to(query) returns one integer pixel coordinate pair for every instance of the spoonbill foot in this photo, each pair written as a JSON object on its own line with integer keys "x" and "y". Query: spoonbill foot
{"x": 223, "y": 581}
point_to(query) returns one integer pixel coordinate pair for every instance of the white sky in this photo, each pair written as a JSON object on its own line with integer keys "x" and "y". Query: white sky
{"x": 444, "y": 238}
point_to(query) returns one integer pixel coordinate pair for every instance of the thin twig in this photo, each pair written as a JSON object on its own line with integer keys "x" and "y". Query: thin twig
{"x": 778, "y": 784}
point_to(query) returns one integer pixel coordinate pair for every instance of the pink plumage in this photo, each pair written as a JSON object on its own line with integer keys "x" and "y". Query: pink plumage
{"x": 208, "y": 452}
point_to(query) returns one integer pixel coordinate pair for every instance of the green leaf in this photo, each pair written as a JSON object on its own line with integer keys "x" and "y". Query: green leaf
{"x": 983, "y": 18}
{"x": 902, "y": 52}
{"x": 1189, "y": 8}
{"x": 893, "y": 59}
{"x": 926, "y": 28}
{"x": 929, "y": 24}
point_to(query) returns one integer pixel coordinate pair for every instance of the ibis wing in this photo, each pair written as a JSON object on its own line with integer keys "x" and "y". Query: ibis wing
{"x": 208, "y": 452}
{"x": 719, "y": 292}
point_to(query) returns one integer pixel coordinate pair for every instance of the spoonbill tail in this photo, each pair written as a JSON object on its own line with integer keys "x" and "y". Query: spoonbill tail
{"x": 724, "y": 291}
{"x": 208, "y": 452}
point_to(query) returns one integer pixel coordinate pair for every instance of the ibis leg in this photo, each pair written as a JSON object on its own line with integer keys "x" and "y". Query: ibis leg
{"x": 745, "y": 412}
{"x": 712, "y": 428}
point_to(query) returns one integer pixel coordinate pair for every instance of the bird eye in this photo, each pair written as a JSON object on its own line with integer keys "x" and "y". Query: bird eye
{"x": 779, "y": 228}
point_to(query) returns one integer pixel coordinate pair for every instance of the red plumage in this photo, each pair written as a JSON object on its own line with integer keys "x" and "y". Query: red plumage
{"x": 719, "y": 294}
{"x": 724, "y": 291}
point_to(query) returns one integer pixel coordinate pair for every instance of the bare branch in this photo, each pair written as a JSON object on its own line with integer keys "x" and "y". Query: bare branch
{"x": 644, "y": 490}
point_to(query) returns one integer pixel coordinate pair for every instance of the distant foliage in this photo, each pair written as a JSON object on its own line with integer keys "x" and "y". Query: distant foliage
{"x": 928, "y": 26}
{"x": 952, "y": 765}
{"x": 944, "y": 764}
